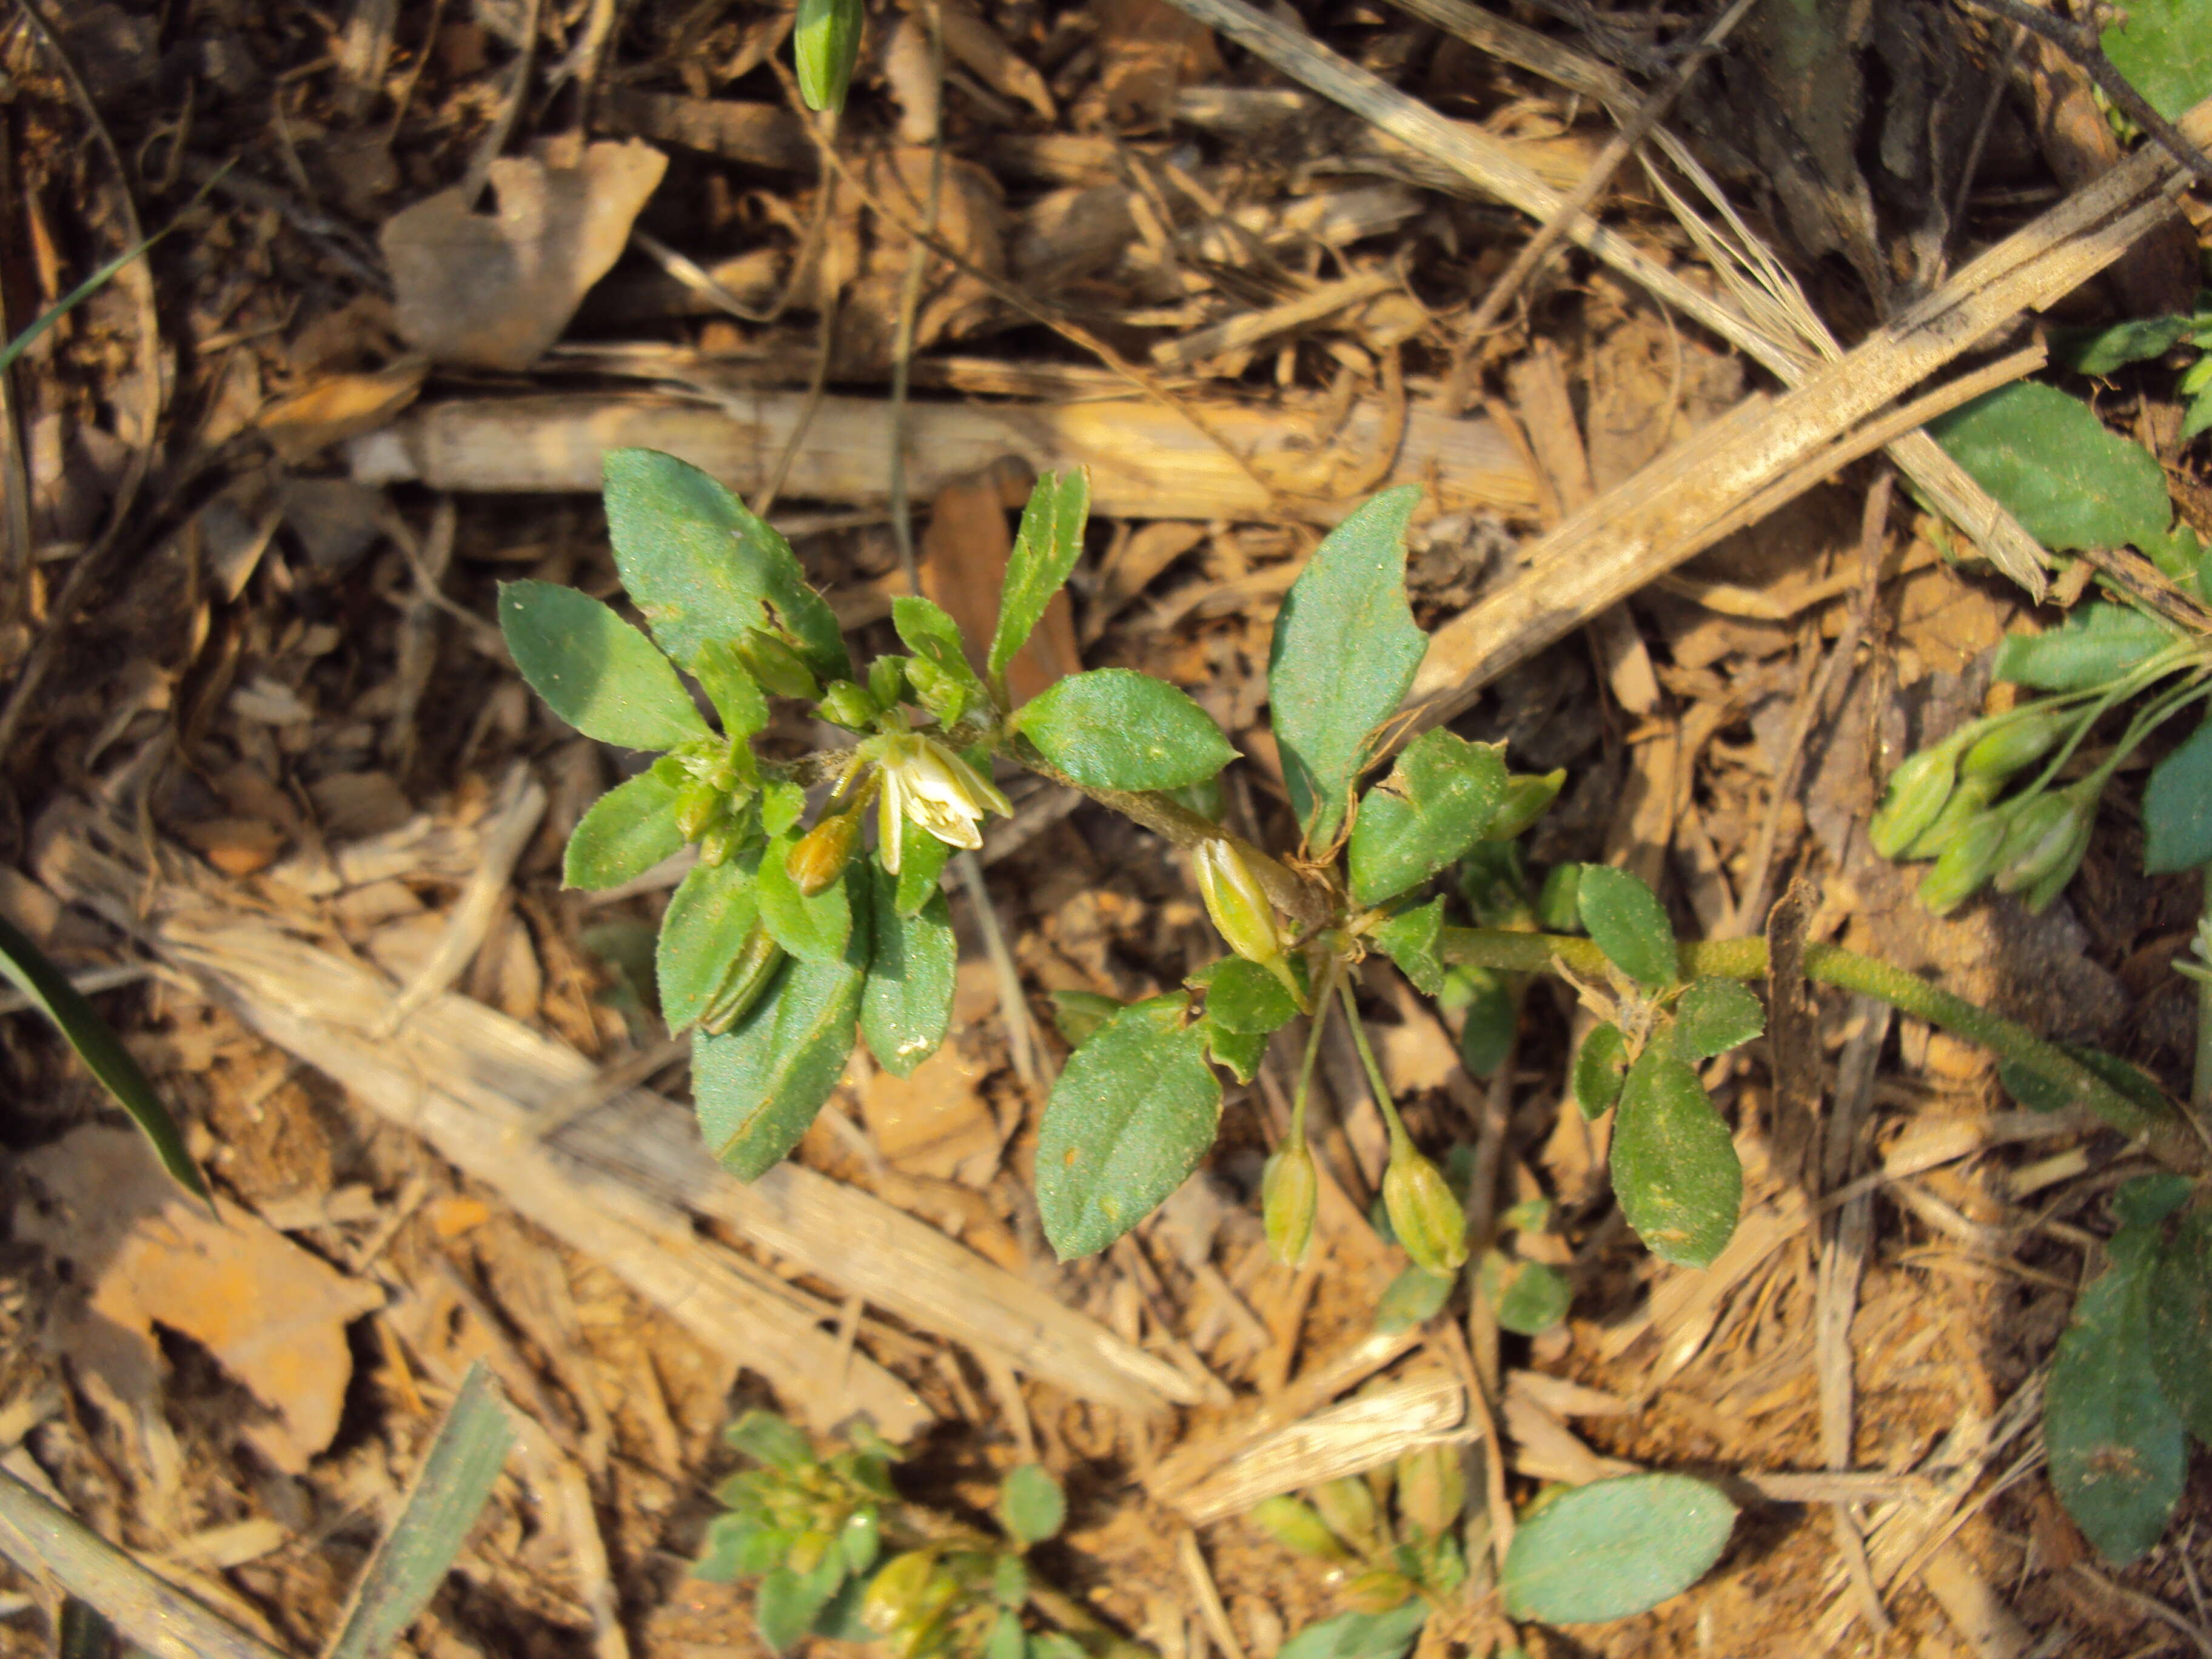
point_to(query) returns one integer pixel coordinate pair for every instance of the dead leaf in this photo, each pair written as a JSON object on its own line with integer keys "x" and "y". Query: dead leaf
{"x": 237, "y": 847}
{"x": 336, "y": 407}
{"x": 272, "y": 1315}
{"x": 970, "y": 220}
{"x": 495, "y": 292}
{"x": 355, "y": 805}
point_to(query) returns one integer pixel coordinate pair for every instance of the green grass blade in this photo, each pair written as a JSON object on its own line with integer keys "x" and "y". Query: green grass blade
{"x": 414, "y": 1557}
{"x": 25, "y": 966}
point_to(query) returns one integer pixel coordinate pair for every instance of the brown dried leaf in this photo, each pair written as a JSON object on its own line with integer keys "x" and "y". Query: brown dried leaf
{"x": 963, "y": 561}
{"x": 271, "y": 1313}
{"x": 495, "y": 292}
{"x": 336, "y": 407}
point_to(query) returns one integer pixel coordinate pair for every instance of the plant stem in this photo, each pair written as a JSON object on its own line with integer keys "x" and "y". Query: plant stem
{"x": 2200, "y": 1081}
{"x": 2168, "y": 1138}
{"x": 1400, "y": 1140}
{"x": 1297, "y": 1136}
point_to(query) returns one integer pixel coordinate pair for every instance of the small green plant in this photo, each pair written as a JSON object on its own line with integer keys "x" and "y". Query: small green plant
{"x": 837, "y": 1552}
{"x": 794, "y": 938}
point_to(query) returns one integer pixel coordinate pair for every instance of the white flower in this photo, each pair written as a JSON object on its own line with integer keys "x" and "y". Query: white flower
{"x": 924, "y": 780}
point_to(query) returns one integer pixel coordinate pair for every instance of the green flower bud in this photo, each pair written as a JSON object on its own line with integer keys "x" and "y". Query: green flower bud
{"x": 1288, "y": 1187}
{"x": 1378, "y": 1591}
{"x": 820, "y": 855}
{"x": 696, "y": 804}
{"x": 1427, "y": 1218}
{"x": 888, "y": 680}
{"x": 1238, "y": 904}
{"x": 1432, "y": 1487}
{"x": 1348, "y": 1507}
{"x": 848, "y": 703}
{"x": 2048, "y": 837}
{"x": 1968, "y": 802}
{"x": 895, "y": 1593}
{"x": 826, "y": 44}
{"x": 943, "y": 693}
{"x": 2018, "y": 741}
{"x": 781, "y": 672}
{"x": 1917, "y": 792}
{"x": 741, "y": 987}
{"x": 1295, "y": 1526}
{"x": 1528, "y": 794}
{"x": 1965, "y": 864}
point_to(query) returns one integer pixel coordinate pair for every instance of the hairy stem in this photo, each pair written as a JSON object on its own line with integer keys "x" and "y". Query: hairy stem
{"x": 2168, "y": 1138}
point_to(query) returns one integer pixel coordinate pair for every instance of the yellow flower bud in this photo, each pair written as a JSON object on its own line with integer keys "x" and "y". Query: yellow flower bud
{"x": 1917, "y": 790}
{"x": 1432, "y": 1487}
{"x": 821, "y": 855}
{"x": 895, "y": 1593}
{"x": 1238, "y": 904}
{"x": 1288, "y": 1187}
{"x": 1348, "y": 1506}
{"x": 1377, "y": 1591}
{"x": 1295, "y": 1526}
{"x": 1427, "y": 1218}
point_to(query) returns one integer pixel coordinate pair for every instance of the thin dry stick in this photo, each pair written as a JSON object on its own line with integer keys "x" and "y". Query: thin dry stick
{"x": 1554, "y": 230}
{"x": 909, "y": 304}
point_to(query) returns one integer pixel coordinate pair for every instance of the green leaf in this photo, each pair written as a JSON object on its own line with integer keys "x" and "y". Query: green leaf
{"x": 2140, "y": 1202}
{"x": 1360, "y": 1635}
{"x": 627, "y": 831}
{"x": 2116, "y": 1446}
{"x": 767, "y": 1438}
{"x": 2166, "y": 50}
{"x": 1409, "y": 938}
{"x": 1031, "y": 1506}
{"x": 1046, "y": 548}
{"x": 2199, "y": 418}
{"x": 2177, "y": 806}
{"x": 2178, "y": 1305}
{"x": 1531, "y": 1296}
{"x": 908, "y": 1003}
{"x": 1130, "y": 1117}
{"x": 934, "y": 638}
{"x": 1240, "y": 1051}
{"x": 413, "y": 1557}
{"x": 1079, "y": 1014}
{"x": 1007, "y": 1639}
{"x": 922, "y": 860}
{"x": 1624, "y": 916}
{"x": 1114, "y": 728}
{"x": 1675, "y": 1169}
{"x": 783, "y": 804}
{"x": 25, "y": 967}
{"x": 1716, "y": 1015}
{"x": 1600, "y": 1067}
{"x": 1414, "y": 1297}
{"x": 839, "y": 1618}
{"x": 814, "y": 929}
{"x": 2048, "y": 460}
{"x": 758, "y": 1087}
{"x": 731, "y": 687}
{"x": 1010, "y": 1580}
{"x": 706, "y": 925}
{"x": 1242, "y": 996}
{"x": 1345, "y": 653}
{"x": 1490, "y": 1022}
{"x": 1436, "y": 804}
{"x": 2097, "y": 643}
{"x": 702, "y": 567}
{"x": 594, "y": 669}
{"x": 722, "y": 1553}
{"x": 787, "y": 1603}
{"x": 2100, "y": 350}
{"x": 1614, "y": 1547}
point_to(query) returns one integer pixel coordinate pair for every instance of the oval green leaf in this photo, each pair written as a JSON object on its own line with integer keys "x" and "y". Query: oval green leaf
{"x": 1410, "y": 939}
{"x": 1437, "y": 803}
{"x": 1240, "y": 1051}
{"x": 1716, "y": 1015}
{"x": 2116, "y": 1449}
{"x": 922, "y": 859}
{"x": 1490, "y": 1022}
{"x": 813, "y": 929}
{"x": 759, "y": 1085}
{"x": 1530, "y": 1297}
{"x": 27, "y": 968}
{"x": 1031, "y": 1505}
{"x": 1674, "y": 1167}
{"x": 1045, "y": 551}
{"x": 1360, "y": 1635}
{"x": 702, "y": 934}
{"x": 702, "y": 567}
{"x": 908, "y": 1003}
{"x": 1130, "y": 1117}
{"x": 1600, "y": 1067}
{"x": 2165, "y": 52}
{"x": 1414, "y": 1297}
{"x": 627, "y": 831}
{"x": 594, "y": 669}
{"x": 1114, "y": 728}
{"x": 1615, "y": 1548}
{"x": 1624, "y": 916}
{"x": 2096, "y": 644}
{"x": 2046, "y": 457}
{"x": 2177, "y": 807}
{"x": 2179, "y": 1310}
{"x": 1242, "y": 996}
{"x": 1345, "y": 653}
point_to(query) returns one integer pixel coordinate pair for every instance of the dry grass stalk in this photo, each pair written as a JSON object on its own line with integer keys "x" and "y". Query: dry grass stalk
{"x": 1683, "y": 500}
{"x": 1145, "y": 462}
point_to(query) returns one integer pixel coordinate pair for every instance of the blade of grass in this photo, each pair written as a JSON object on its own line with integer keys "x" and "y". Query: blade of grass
{"x": 94, "y": 1039}
{"x": 449, "y": 1490}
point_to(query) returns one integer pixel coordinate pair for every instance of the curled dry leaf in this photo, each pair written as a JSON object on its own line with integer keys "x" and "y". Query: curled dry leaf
{"x": 271, "y": 1313}
{"x": 493, "y": 291}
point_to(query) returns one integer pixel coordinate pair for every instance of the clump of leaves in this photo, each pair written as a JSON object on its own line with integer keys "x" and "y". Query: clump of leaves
{"x": 837, "y": 1552}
